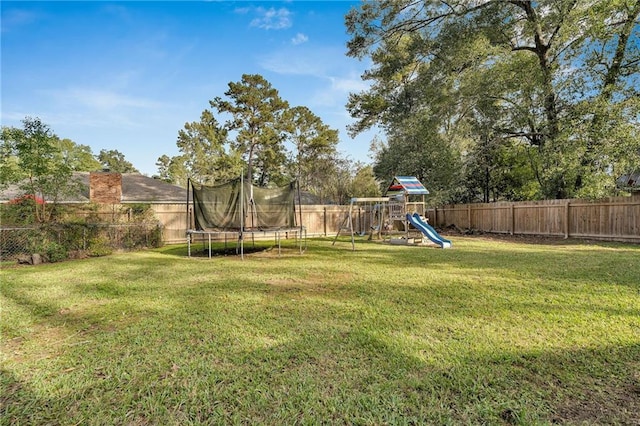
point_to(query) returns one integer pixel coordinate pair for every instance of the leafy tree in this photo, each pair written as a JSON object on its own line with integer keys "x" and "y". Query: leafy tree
{"x": 555, "y": 75}
{"x": 415, "y": 149}
{"x": 114, "y": 161}
{"x": 256, "y": 110}
{"x": 206, "y": 152}
{"x": 346, "y": 179}
{"x": 259, "y": 129}
{"x": 205, "y": 156}
{"x": 337, "y": 186}
{"x": 364, "y": 182}
{"x": 37, "y": 162}
{"x": 10, "y": 171}
{"x": 315, "y": 146}
{"x": 79, "y": 157}
{"x": 495, "y": 170}
{"x": 173, "y": 170}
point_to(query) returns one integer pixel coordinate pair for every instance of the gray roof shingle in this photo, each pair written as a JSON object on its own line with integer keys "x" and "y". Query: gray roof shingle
{"x": 629, "y": 181}
{"x": 136, "y": 188}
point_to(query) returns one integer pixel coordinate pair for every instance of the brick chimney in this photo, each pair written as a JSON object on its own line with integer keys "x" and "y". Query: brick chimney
{"x": 105, "y": 187}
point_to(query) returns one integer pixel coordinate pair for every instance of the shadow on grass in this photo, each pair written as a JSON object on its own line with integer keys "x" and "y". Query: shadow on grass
{"x": 200, "y": 250}
{"x": 459, "y": 281}
{"x": 340, "y": 376}
{"x": 184, "y": 355}
{"x": 578, "y": 262}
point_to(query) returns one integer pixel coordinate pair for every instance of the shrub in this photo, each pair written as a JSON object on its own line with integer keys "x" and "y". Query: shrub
{"x": 18, "y": 212}
{"x": 99, "y": 246}
{"x": 155, "y": 237}
{"x": 54, "y": 252}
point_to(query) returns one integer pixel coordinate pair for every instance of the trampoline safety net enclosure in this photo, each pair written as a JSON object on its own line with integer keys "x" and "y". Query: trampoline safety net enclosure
{"x": 242, "y": 208}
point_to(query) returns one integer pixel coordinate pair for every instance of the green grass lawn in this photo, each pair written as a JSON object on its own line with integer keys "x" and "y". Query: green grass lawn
{"x": 490, "y": 332}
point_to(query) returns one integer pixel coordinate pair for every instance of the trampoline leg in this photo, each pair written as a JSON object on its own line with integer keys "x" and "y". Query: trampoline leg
{"x": 278, "y": 238}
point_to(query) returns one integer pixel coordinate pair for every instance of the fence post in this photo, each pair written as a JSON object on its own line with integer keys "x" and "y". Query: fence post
{"x": 513, "y": 219}
{"x": 469, "y": 215}
{"x": 566, "y": 220}
{"x": 324, "y": 220}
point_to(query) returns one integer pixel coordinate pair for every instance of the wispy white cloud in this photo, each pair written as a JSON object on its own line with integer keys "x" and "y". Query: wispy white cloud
{"x": 337, "y": 76}
{"x": 61, "y": 118}
{"x": 13, "y": 118}
{"x": 299, "y": 39}
{"x": 349, "y": 83}
{"x": 337, "y": 90}
{"x": 272, "y": 19}
{"x": 119, "y": 11}
{"x": 17, "y": 17}
{"x": 290, "y": 63}
{"x": 316, "y": 62}
{"x": 100, "y": 99}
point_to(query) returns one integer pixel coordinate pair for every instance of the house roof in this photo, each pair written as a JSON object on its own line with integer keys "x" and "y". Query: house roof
{"x": 136, "y": 188}
{"x": 406, "y": 184}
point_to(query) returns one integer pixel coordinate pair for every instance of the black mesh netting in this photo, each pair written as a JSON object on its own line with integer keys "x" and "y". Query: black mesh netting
{"x": 221, "y": 207}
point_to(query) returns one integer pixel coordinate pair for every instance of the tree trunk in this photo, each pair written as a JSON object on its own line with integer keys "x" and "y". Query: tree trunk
{"x": 552, "y": 129}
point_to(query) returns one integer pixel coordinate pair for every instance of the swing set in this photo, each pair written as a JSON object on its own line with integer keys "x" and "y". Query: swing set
{"x": 376, "y": 218}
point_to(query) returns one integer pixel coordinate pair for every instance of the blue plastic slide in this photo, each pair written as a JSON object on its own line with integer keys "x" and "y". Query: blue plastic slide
{"x": 428, "y": 230}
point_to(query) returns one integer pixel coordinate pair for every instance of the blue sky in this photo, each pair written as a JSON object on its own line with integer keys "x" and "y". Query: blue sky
{"x": 129, "y": 75}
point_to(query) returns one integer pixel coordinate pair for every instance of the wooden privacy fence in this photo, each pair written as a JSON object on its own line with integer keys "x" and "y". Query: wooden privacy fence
{"x": 610, "y": 219}
{"x": 616, "y": 218}
{"x": 319, "y": 220}
{"x": 173, "y": 218}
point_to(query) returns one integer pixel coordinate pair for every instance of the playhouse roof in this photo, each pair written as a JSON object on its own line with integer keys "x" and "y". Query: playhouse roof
{"x": 630, "y": 182}
{"x": 409, "y": 185}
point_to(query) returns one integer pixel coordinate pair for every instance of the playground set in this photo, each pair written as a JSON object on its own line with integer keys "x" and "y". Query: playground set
{"x": 395, "y": 216}
{"x": 242, "y": 210}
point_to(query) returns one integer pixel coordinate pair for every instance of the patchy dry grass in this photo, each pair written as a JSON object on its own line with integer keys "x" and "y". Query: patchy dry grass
{"x": 491, "y": 332}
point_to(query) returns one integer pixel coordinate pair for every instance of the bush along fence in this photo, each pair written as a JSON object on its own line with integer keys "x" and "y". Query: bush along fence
{"x": 613, "y": 219}
{"x": 76, "y": 231}
{"x": 59, "y": 241}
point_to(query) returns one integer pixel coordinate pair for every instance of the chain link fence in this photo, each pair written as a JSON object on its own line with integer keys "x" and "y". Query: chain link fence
{"x": 58, "y": 241}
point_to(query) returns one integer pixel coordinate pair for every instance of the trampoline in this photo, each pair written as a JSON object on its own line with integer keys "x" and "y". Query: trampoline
{"x": 242, "y": 210}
